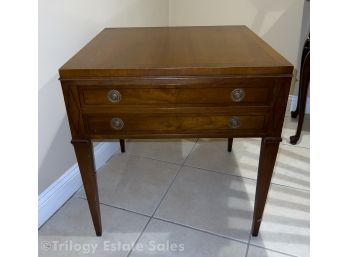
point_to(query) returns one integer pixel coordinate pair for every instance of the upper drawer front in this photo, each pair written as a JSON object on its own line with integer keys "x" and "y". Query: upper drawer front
{"x": 169, "y": 96}
{"x": 198, "y": 91}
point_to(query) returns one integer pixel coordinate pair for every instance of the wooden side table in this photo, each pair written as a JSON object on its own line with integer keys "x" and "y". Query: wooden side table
{"x": 176, "y": 82}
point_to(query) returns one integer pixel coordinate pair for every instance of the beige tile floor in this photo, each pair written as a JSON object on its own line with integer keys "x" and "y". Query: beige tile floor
{"x": 189, "y": 198}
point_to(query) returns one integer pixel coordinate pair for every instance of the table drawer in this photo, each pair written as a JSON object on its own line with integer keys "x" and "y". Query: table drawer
{"x": 116, "y": 96}
{"x": 128, "y": 124}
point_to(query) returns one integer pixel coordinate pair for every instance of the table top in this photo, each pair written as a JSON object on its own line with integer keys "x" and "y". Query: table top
{"x": 175, "y": 51}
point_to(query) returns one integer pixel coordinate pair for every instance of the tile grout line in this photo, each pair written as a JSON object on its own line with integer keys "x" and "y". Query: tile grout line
{"x": 164, "y": 195}
{"x": 65, "y": 203}
{"x": 219, "y": 172}
{"x": 215, "y": 171}
{"x": 247, "y": 250}
{"x": 120, "y": 208}
{"x": 170, "y": 185}
{"x": 138, "y": 238}
{"x": 272, "y": 250}
{"x": 168, "y": 162}
{"x": 201, "y": 230}
{"x": 283, "y": 142}
{"x": 154, "y": 159}
{"x": 290, "y": 187}
{"x": 193, "y": 228}
{"x": 297, "y": 145}
{"x": 238, "y": 176}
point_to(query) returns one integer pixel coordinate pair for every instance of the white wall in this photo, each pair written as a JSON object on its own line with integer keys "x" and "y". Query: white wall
{"x": 278, "y": 22}
{"x": 64, "y": 27}
{"x": 305, "y": 29}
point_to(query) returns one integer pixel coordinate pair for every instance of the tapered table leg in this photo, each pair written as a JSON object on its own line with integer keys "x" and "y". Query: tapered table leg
{"x": 85, "y": 159}
{"x": 123, "y": 147}
{"x": 268, "y": 155}
{"x": 229, "y": 145}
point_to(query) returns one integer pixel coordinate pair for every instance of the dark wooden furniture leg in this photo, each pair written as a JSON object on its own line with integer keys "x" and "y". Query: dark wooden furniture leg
{"x": 85, "y": 159}
{"x": 123, "y": 147}
{"x": 305, "y": 51}
{"x": 303, "y": 90}
{"x": 229, "y": 145}
{"x": 302, "y": 99}
{"x": 268, "y": 155}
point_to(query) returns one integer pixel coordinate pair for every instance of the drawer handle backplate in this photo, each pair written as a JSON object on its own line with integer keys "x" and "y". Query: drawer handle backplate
{"x": 114, "y": 96}
{"x": 237, "y": 95}
{"x": 117, "y": 123}
{"x": 234, "y": 122}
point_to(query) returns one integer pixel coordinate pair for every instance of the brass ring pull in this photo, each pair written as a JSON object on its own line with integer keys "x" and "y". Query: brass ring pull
{"x": 237, "y": 95}
{"x": 114, "y": 96}
{"x": 116, "y": 123}
{"x": 234, "y": 122}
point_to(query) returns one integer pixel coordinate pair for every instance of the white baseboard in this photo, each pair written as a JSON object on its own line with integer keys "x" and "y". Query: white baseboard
{"x": 293, "y": 103}
{"x": 64, "y": 187}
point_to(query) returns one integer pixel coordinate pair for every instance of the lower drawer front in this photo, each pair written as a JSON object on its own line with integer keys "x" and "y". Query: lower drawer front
{"x": 128, "y": 124}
